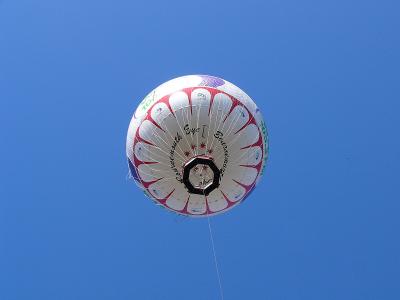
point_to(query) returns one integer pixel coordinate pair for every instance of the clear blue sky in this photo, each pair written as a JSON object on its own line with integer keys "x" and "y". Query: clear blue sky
{"x": 323, "y": 224}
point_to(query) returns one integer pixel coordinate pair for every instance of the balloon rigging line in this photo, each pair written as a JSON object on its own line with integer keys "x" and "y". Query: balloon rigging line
{"x": 156, "y": 146}
{"x": 155, "y": 171}
{"x": 215, "y": 258}
{"x": 198, "y": 109}
{"x": 232, "y": 124}
{"x": 156, "y": 133}
{"x": 218, "y": 124}
{"x": 172, "y": 137}
{"x": 187, "y": 122}
{"x": 190, "y": 120}
{"x": 213, "y": 123}
{"x": 155, "y": 158}
{"x": 209, "y": 121}
{"x": 223, "y": 113}
{"x": 177, "y": 152}
{"x": 234, "y": 141}
{"x": 153, "y": 152}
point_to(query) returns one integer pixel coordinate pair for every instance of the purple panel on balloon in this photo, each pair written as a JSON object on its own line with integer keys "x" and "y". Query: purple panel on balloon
{"x": 211, "y": 81}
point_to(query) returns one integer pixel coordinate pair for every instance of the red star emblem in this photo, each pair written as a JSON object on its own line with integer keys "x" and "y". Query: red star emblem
{"x": 210, "y": 151}
{"x": 202, "y": 146}
{"x": 193, "y": 147}
{"x": 187, "y": 153}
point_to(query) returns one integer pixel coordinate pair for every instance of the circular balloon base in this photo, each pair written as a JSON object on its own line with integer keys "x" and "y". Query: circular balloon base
{"x": 201, "y": 176}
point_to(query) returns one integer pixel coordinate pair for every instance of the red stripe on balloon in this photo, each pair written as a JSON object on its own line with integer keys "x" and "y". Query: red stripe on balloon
{"x": 165, "y": 100}
{"x": 148, "y": 162}
{"x": 188, "y": 92}
{"x": 185, "y": 209}
{"x": 249, "y": 122}
{"x": 245, "y": 186}
{"x": 257, "y": 167}
{"x": 147, "y": 184}
{"x": 230, "y": 202}
{"x": 150, "y": 118}
{"x": 140, "y": 139}
{"x": 164, "y": 200}
{"x": 259, "y": 143}
{"x": 234, "y": 105}
{"x": 213, "y": 93}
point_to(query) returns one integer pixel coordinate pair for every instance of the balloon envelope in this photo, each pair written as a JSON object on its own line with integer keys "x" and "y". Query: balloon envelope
{"x": 197, "y": 145}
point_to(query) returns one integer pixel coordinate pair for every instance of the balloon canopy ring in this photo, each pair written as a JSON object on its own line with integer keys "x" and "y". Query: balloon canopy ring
{"x": 201, "y": 176}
